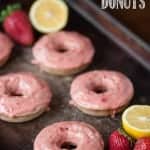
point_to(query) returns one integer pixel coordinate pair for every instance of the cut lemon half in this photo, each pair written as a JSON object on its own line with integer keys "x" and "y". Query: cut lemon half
{"x": 136, "y": 121}
{"x": 49, "y": 15}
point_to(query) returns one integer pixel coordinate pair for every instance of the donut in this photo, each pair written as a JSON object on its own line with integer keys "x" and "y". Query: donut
{"x": 63, "y": 53}
{"x": 101, "y": 93}
{"x": 69, "y": 135}
{"x": 23, "y": 97}
{"x": 6, "y": 46}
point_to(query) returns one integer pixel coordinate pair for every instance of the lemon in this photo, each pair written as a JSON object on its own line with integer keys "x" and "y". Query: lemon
{"x": 49, "y": 15}
{"x": 136, "y": 121}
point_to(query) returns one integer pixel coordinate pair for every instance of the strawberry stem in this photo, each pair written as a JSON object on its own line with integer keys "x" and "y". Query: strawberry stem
{"x": 16, "y": 6}
{"x": 131, "y": 140}
{"x": 8, "y": 10}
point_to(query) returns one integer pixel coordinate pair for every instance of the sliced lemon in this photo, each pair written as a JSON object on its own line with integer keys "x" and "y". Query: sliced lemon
{"x": 49, "y": 15}
{"x": 136, "y": 121}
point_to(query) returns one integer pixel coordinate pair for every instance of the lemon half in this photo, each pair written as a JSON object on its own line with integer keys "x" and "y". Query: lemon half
{"x": 49, "y": 15}
{"x": 136, "y": 121}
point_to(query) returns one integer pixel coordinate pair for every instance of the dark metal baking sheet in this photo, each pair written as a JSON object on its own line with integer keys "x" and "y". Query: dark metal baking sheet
{"x": 112, "y": 28}
{"x": 108, "y": 56}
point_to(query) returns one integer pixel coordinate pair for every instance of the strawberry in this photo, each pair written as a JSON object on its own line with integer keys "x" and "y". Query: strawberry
{"x": 119, "y": 140}
{"x": 17, "y": 25}
{"x": 142, "y": 144}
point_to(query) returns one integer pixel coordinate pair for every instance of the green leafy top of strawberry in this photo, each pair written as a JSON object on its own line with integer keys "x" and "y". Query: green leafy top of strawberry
{"x": 130, "y": 139}
{"x": 8, "y": 10}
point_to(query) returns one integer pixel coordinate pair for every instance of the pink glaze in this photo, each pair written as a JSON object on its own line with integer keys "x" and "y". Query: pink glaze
{"x": 6, "y": 46}
{"x": 79, "y": 50}
{"x": 22, "y": 94}
{"x": 117, "y": 90}
{"x": 83, "y": 135}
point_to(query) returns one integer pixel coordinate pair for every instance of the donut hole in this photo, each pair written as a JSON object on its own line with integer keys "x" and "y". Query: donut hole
{"x": 15, "y": 93}
{"x": 99, "y": 89}
{"x": 62, "y": 50}
{"x": 68, "y": 146}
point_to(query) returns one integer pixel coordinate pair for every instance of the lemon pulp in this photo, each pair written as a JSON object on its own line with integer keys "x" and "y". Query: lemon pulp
{"x": 49, "y": 15}
{"x": 136, "y": 121}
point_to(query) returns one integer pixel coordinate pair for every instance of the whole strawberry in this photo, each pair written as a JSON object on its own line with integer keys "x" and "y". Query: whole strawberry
{"x": 17, "y": 25}
{"x": 119, "y": 140}
{"x": 142, "y": 144}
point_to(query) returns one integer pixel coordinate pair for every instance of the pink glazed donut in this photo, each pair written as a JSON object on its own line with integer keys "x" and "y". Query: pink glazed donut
{"x": 63, "y": 53}
{"x": 6, "y": 46}
{"x": 101, "y": 93}
{"x": 69, "y": 135}
{"x": 23, "y": 97}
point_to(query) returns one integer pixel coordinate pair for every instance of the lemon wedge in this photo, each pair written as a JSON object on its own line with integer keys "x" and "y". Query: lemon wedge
{"x": 136, "y": 121}
{"x": 49, "y": 15}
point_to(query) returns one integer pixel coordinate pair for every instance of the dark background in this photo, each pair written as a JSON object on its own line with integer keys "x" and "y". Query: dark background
{"x": 137, "y": 20}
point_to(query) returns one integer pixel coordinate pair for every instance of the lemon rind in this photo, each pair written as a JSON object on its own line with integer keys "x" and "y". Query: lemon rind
{"x": 130, "y": 126}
